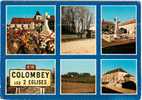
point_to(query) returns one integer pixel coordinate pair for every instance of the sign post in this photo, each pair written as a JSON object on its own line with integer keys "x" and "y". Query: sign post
{"x": 18, "y": 90}
{"x": 30, "y": 78}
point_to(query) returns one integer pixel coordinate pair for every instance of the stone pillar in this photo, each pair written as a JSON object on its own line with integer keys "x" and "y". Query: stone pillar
{"x": 116, "y": 28}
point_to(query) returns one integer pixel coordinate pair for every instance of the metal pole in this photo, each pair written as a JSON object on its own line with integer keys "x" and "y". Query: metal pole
{"x": 43, "y": 90}
{"x": 16, "y": 91}
{"x": 40, "y": 90}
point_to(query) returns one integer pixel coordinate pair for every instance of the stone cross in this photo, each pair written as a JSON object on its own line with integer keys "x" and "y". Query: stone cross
{"x": 46, "y": 26}
{"x": 116, "y": 27}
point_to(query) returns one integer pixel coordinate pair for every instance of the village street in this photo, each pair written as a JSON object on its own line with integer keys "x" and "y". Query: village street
{"x": 86, "y": 46}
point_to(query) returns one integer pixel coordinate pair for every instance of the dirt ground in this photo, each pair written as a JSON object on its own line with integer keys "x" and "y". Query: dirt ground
{"x": 72, "y": 87}
{"x": 84, "y": 46}
{"x": 114, "y": 89}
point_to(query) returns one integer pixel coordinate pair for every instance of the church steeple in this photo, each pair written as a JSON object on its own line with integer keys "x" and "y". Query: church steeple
{"x": 37, "y": 13}
{"x": 37, "y": 16}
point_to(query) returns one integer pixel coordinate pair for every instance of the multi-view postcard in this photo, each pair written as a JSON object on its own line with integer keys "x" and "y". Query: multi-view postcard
{"x": 78, "y": 29}
{"x": 70, "y": 50}
{"x": 78, "y": 76}
{"x": 31, "y": 30}
{"x": 119, "y": 29}
{"x": 30, "y": 76}
{"x": 119, "y": 76}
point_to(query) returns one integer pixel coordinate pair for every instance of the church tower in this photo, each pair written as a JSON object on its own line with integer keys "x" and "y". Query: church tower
{"x": 38, "y": 16}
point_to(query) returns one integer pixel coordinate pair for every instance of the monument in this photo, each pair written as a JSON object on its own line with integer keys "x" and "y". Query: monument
{"x": 46, "y": 26}
{"x": 116, "y": 28}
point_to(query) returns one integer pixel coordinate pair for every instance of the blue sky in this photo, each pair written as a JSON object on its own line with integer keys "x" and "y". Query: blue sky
{"x": 20, "y": 63}
{"x": 124, "y": 13}
{"x": 28, "y": 11}
{"x": 78, "y": 65}
{"x": 128, "y": 65}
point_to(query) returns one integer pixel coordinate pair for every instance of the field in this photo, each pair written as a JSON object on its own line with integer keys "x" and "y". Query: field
{"x": 75, "y": 87}
{"x": 86, "y": 46}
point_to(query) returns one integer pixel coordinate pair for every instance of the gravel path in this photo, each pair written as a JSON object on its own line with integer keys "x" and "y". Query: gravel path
{"x": 85, "y": 46}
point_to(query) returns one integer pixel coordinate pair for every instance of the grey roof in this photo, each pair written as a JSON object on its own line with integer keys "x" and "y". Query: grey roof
{"x": 37, "y": 13}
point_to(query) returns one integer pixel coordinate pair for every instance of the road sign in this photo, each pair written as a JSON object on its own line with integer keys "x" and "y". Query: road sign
{"x": 39, "y": 77}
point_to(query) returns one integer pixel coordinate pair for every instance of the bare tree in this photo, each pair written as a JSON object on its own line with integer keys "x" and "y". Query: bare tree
{"x": 76, "y": 19}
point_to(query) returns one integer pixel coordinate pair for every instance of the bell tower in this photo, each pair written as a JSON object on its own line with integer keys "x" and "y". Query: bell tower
{"x": 38, "y": 16}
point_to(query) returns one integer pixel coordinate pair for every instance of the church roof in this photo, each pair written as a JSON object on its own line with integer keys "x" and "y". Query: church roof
{"x": 21, "y": 20}
{"x": 106, "y": 22}
{"x": 37, "y": 13}
{"x": 29, "y": 20}
{"x": 24, "y": 21}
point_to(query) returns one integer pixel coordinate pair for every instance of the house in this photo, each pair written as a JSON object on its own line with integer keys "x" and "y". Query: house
{"x": 107, "y": 27}
{"x": 116, "y": 77}
{"x": 130, "y": 26}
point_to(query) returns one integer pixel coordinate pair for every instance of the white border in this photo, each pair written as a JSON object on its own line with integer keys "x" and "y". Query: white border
{"x": 118, "y": 93}
{"x": 101, "y": 30}
{"x": 61, "y": 30}
{"x": 6, "y": 74}
{"x": 95, "y": 63}
{"x": 33, "y": 7}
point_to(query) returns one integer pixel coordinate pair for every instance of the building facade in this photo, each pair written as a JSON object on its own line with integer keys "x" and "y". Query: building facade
{"x": 130, "y": 26}
{"x": 32, "y": 23}
{"x": 116, "y": 77}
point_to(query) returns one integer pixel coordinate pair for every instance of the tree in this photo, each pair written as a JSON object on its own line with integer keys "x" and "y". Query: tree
{"x": 85, "y": 75}
{"x": 76, "y": 20}
{"x": 73, "y": 74}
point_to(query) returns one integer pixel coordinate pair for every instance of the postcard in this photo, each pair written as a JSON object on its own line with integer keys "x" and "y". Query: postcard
{"x": 70, "y": 50}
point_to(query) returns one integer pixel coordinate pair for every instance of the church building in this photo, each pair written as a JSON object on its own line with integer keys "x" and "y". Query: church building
{"x": 32, "y": 23}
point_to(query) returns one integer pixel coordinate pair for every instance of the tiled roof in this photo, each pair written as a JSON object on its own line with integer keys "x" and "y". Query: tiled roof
{"x": 116, "y": 70}
{"x": 28, "y": 20}
{"x": 106, "y": 22}
{"x": 21, "y": 20}
{"x": 128, "y": 22}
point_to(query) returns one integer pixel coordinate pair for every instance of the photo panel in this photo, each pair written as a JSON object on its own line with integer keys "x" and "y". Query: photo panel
{"x": 118, "y": 76}
{"x": 70, "y": 50}
{"x": 78, "y": 77}
{"x": 119, "y": 29}
{"x": 31, "y": 30}
{"x": 78, "y": 29}
{"x": 30, "y": 76}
